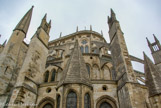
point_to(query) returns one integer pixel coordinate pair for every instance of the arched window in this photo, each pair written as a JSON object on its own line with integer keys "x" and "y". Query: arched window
{"x": 59, "y": 75}
{"x": 58, "y": 101}
{"x": 106, "y": 73}
{"x": 105, "y": 105}
{"x": 86, "y": 49}
{"x": 82, "y": 49}
{"x": 88, "y": 68}
{"x": 87, "y": 101}
{"x": 48, "y": 105}
{"x": 46, "y": 76}
{"x": 71, "y": 100}
{"x": 53, "y": 75}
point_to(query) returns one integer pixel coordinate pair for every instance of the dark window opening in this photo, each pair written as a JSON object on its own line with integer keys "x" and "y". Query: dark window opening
{"x": 104, "y": 88}
{"x": 46, "y": 76}
{"x": 87, "y": 101}
{"x": 48, "y": 90}
{"x": 58, "y": 101}
{"x": 53, "y": 75}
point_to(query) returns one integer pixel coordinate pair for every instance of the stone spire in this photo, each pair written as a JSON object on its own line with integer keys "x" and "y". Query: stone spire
{"x": 153, "y": 76}
{"x": 149, "y": 44}
{"x": 24, "y": 23}
{"x": 157, "y": 42}
{"x": 112, "y": 18}
{"x": 75, "y": 71}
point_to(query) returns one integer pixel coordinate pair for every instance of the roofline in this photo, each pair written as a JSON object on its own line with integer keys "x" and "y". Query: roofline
{"x": 76, "y": 33}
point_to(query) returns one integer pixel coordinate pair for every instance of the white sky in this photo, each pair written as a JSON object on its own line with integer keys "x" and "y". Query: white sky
{"x": 138, "y": 18}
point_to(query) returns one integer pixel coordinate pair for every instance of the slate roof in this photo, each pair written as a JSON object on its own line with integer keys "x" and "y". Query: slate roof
{"x": 75, "y": 71}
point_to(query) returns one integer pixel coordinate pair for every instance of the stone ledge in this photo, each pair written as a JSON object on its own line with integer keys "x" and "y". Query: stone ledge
{"x": 103, "y": 81}
{"x": 48, "y": 84}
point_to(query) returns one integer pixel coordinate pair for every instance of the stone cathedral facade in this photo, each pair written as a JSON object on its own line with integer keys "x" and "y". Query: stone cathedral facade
{"x": 80, "y": 70}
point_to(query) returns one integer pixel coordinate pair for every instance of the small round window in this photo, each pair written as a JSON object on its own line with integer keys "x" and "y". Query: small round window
{"x": 48, "y": 90}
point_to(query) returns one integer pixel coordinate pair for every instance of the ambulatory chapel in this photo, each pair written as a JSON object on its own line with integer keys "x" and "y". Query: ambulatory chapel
{"x": 79, "y": 70}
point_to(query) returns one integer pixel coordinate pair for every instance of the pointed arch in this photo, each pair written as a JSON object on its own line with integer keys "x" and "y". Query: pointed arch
{"x": 106, "y": 73}
{"x": 46, "y": 102}
{"x": 105, "y": 105}
{"x": 96, "y": 72}
{"x": 106, "y": 101}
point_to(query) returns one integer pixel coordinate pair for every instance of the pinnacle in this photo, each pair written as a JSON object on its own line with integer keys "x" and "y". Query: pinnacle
{"x": 148, "y": 41}
{"x": 156, "y": 40}
{"x": 77, "y": 29}
{"x": 24, "y": 23}
{"x": 50, "y": 22}
{"x": 45, "y": 16}
{"x": 90, "y": 27}
{"x": 112, "y": 12}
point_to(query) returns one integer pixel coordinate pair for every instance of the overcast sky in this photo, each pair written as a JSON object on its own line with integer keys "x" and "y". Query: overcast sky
{"x": 138, "y": 18}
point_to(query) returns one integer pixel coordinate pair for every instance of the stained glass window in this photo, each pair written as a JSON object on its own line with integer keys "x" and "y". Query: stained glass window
{"x": 105, "y": 105}
{"x": 46, "y": 76}
{"x": 71, "y": 100}
{"x": 84, "y": 42}
{"x": 82, "y": 49}
{"x": 87, "y": 101}
{"x": 86, "y": 49}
